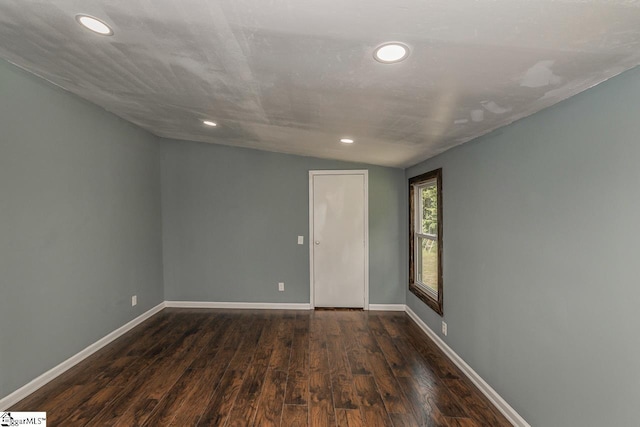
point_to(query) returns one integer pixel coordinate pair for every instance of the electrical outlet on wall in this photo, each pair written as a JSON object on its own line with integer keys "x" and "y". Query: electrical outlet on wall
{"x": 444, "y": 328}
{"x": 134, "y": 300}
{"x": 281, "y": 286}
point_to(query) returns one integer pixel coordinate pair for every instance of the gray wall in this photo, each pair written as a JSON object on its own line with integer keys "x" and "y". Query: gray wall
{"x": 80, "y": 225}
{"x": 540, "y": 258}
{"x": 231, "y": 218}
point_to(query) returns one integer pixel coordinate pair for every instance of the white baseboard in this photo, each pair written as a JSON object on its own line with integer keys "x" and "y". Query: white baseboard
{"x": 240, "y": 305}
{"x": 24, "y": 391}
{"x": 268, "y": 305}
{"x": 485, "y": 388}
{"x": 388, "y": 307}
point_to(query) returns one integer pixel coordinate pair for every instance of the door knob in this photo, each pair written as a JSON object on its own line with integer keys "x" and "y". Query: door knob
{"x": 317, "y": 242}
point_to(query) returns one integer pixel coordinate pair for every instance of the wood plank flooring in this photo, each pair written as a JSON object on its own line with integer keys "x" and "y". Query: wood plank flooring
{"x": 187, "y": 367}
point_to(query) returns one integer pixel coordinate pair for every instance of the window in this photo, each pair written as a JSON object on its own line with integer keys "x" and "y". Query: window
{"x": 425, "y": 259}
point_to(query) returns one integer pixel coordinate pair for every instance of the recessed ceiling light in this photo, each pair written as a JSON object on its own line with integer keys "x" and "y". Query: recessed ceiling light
{"x": 346, "y": 141}
{"x": 388, "y": 53}
{"x": 94, "y": 24}
{"x": 210, "y": 123}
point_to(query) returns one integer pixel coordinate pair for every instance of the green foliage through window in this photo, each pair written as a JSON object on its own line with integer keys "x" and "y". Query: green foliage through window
{"x": 430, "y": 209}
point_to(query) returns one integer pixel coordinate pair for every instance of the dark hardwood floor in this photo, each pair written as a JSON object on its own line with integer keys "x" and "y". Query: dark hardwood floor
{"x": 266, "y": 368}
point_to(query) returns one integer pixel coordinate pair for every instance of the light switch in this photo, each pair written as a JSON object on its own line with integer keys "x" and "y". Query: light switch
{"x": 300, "y": 240}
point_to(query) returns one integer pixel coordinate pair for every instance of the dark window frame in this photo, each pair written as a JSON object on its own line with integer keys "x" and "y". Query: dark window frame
{"x": 435, "y": 303}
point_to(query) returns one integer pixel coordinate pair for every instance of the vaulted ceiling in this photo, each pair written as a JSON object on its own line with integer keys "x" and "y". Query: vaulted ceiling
{"x": 295, "y": 76}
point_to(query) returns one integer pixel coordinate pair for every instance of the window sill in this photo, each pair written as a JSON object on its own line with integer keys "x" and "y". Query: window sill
{"x": 436, "y": 305}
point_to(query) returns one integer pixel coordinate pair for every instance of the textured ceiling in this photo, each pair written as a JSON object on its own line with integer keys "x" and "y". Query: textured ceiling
{"x": 296, "y": 75}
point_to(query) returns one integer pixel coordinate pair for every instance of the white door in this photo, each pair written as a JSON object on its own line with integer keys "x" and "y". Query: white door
{"x": 338, "y": 238}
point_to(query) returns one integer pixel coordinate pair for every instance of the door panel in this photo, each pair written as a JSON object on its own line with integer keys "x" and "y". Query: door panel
{"x": 338, "y": 240}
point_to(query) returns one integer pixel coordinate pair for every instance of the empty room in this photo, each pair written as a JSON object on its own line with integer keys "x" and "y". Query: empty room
{"x": 330, "y": 213}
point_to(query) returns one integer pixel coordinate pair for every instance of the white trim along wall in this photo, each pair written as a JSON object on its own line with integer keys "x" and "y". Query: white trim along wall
{"x": 476, "y": 379}
{"x": 239, "y": 305}
{"x": 43, "y": 379}
{"x": 54, "y": 372}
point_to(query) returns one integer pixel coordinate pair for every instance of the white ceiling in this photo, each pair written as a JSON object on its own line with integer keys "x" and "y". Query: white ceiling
{"x": 296, "y": 75}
